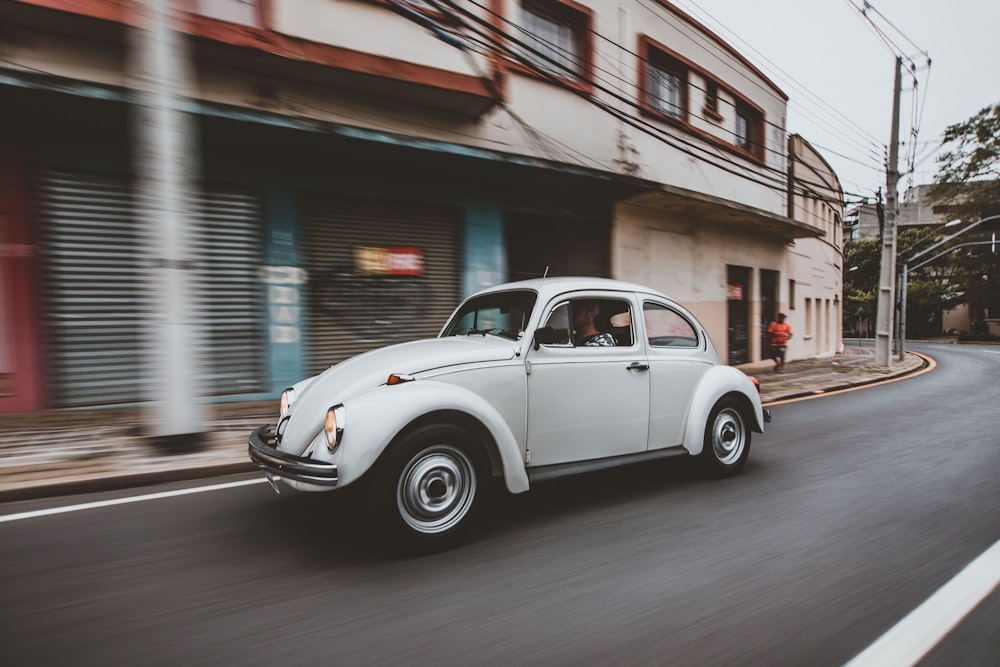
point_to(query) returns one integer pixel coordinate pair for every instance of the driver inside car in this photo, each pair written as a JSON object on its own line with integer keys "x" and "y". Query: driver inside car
{"x": 586, "y": 332}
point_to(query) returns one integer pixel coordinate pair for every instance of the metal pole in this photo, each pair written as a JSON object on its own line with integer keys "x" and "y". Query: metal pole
{"x": 164, "y": 148}
{"x": 989, "y": 218}
{"x": 902, "y": 316}
{"x": 902, "y": 329}
{"x": 887, "y": 273}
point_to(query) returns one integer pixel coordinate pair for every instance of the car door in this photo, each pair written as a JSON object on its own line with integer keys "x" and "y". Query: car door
{"x": 587, "y": 402}
{"x": 678, "y": 359}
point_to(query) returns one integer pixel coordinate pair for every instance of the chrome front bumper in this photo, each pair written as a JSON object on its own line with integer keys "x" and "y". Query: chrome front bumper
{"x": 288, "y": 466}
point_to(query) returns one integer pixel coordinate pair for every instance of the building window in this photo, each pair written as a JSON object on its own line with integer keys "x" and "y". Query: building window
{"x": 557, "y": 38}
{"x": 711, "y": 108}
{"x": 243, "y": 12}
{"x": 663, "y": 81}
{"x": 667, "y": 87}
{"x": 749, "y": 130}
{"x": 712, "y": 96}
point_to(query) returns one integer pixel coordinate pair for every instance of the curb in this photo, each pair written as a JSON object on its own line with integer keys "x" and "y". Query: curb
{"x": 925, "y": 362}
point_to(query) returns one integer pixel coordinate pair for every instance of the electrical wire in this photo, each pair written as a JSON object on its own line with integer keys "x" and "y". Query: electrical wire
{"x": 836, "y": 115}
{"x": 917, "y": 104}
{"x": 803, "y": 188}
{"x": 872, "y": 7}
{"x": 646, "y": 61}
{"x": 627, "y": 84}
{"x": 840, "y": 130}
{"x": 777, "y": 183}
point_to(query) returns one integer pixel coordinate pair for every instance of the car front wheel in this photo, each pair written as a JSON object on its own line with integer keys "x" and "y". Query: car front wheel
{"x": 727, "y": 440}
{"x": 429, "y": 489}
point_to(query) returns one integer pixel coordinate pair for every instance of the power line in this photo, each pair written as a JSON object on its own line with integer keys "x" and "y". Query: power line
{"x": 822, "y": 104}
{"x": 488, "y": 32}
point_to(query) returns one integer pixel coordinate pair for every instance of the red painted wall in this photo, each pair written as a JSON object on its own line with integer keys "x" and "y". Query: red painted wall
{"x": 21, "y": 387}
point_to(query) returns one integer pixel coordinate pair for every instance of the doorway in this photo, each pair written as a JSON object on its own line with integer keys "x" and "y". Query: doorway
{"x": 768, "y": 307}
{"x": 738, "y": 293}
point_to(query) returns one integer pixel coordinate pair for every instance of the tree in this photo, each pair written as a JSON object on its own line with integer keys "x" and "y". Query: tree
{"x": 967, "y": 185}
{"x": 968, "y": 178}
{"x": 861, "y": 275}
{"x": 931, "y": 289}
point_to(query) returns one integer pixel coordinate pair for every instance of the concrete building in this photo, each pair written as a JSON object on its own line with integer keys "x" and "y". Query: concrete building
{"x": 915, "y": 212}
{"x": 363, "y": 164}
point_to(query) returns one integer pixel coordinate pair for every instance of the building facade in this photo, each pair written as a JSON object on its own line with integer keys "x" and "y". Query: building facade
{"x": 361, "y": 165}
{"x": 915, "y": 212}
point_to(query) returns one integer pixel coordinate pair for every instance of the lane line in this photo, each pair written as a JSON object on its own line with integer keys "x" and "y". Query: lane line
{"x": 910, "y": 640}
{"x": 122, "y": 501}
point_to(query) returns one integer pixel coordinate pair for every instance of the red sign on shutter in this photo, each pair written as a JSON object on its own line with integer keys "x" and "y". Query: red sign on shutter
{"x": 389, "y": 261}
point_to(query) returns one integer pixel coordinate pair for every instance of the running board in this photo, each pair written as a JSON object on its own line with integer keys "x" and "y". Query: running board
{"x": 543, "y": 473}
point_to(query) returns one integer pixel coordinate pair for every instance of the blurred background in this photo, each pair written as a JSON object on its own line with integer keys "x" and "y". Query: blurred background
{"x": 164, "y": 204}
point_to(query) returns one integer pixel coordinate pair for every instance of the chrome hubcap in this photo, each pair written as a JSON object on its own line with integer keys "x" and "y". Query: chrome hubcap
{"x": 728, "y": 436}
{"x": 436, "y": 489}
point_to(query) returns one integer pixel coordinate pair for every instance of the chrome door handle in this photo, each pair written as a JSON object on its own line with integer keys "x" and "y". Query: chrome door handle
{"x": 637, "y": 366}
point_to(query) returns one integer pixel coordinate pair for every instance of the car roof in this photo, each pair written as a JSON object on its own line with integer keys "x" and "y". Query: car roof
{"x": 550, "y": 287}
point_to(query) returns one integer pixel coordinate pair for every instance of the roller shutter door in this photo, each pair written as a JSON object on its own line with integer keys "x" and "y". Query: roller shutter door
{"x": 97, "y": 299}
{"x": 95, "y": 305}
{"x": 379, "y": 273}
{"x": 229, "y": 291}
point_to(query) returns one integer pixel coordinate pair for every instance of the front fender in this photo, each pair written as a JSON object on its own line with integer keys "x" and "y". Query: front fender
{"x": 375, "y": 418}
{"x": 718, "y": 382}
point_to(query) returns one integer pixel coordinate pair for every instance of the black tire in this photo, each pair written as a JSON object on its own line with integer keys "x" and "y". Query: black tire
{"x": 727, "y": 440}
{"x": 428, "y": 489}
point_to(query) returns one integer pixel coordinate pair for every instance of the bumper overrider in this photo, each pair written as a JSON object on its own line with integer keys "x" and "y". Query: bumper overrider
{"x": 288, "y": 466}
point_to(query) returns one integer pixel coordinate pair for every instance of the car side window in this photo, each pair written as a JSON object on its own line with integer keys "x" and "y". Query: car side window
{"x": 559, "y": 325}
{"x": 600, "y": 322}
{"x": 666, "y": 327}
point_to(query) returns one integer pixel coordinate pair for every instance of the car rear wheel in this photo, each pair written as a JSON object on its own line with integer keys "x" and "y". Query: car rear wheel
{"x": 727, "y": 440}
{"x": 430, "y": 488}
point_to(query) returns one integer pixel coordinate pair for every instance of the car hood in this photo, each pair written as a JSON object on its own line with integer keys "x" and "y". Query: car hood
{"x": 366, "y": 371}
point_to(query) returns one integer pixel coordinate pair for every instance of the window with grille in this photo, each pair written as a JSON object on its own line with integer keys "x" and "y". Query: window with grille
{"x": 555, "y": 38}
{"x": 664, "y": 81}
{"x": 749, "y": 130}
{"x": 667, "y": 86}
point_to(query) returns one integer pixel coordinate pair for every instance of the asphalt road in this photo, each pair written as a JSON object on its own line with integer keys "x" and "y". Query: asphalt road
{"x": 853, "y": 510}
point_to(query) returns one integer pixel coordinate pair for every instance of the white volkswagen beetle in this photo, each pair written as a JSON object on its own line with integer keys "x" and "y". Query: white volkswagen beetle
{"x": 526, "y": 381}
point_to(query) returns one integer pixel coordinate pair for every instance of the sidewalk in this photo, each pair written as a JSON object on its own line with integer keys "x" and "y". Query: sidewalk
{"x": 63, "y": 452}
{"x": 855, "y": 366}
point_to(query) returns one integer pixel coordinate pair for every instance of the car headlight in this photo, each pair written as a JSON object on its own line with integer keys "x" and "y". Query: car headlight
{"x": 334, "y": 426}
{"x": 287, "y": 398}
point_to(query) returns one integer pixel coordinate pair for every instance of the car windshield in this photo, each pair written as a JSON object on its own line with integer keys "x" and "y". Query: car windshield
{"x": 499, "y": 314}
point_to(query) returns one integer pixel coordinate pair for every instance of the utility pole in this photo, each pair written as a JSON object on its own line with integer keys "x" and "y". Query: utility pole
{"x": 163, "y": 141}
{"x": 887, "y": 272}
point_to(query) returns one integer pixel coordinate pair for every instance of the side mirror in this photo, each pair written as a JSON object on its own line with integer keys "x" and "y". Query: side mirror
{"x": 546, "y": 336}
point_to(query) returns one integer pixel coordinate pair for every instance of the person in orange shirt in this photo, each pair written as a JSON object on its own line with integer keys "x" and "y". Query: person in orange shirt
{"x": 780, "y": 332}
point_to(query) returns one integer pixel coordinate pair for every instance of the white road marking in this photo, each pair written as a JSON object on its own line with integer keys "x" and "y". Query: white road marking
{"x": 913, "y": 638}
{"x": 122, "y": 501}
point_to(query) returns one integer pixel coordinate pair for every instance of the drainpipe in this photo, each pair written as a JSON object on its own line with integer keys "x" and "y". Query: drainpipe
{"x": 626, "y": 148}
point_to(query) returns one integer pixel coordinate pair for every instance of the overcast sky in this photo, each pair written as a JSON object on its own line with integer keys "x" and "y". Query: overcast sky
{"x": 838, "y": 75}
